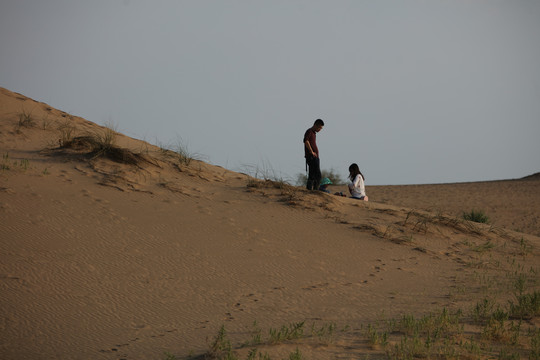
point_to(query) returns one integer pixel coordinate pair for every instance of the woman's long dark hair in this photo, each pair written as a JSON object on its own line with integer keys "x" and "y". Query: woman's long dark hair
{"x": 355, "y": 170}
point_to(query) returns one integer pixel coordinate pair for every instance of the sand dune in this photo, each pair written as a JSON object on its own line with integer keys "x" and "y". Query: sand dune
{"x": 123, "y": 250}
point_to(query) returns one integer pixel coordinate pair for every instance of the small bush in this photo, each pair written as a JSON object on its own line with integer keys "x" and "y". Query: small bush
{"x": 102, "y": 145}
{"x": 285, "y": 333}
{"x": 221, "y": 346}
{"x": 25, "y": 120}
{"x": 105, "y": 140}
{"x": 180, "y": 151}
{"x": 476, "y": 216}
{"x": 527, "y": 306}
{"x": 66, "y": 132}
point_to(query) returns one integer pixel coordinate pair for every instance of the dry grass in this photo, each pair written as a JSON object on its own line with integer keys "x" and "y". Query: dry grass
{"x": 25, "y": 120}
{"x": 100, "y": 145}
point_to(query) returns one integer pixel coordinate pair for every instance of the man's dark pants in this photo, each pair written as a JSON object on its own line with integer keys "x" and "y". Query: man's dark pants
{"x": 314, "y": 174}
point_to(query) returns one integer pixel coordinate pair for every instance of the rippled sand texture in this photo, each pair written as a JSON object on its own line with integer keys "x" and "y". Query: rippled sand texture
{"x": 132, "y": 254}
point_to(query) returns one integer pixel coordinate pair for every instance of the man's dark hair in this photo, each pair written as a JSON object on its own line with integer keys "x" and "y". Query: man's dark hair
{"x": 319, "y": 122}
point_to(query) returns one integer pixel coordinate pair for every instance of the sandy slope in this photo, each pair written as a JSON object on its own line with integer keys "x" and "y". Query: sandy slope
{"x": 512, "y": 204}
{"x": 106, "y": 260}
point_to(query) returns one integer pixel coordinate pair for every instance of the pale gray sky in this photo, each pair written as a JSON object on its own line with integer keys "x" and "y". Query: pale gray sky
{"x": 414, "y": 91}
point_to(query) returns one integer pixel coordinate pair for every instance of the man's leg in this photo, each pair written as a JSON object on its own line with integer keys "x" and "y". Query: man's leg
{"x": 311, "y": 173}
{"x": 309, "y": 184}
{"x": 316, "y": 174}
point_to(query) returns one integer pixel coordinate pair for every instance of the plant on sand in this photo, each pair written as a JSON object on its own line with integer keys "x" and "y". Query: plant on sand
{"x": 285, "y": 333}
{"x": 5, "y": 162}
{"x": 184, "y": 155}
{"x": 221, "y": 347}
{"x": 105, "y": 140}
{"x": 476, "y": 216}
{"x": 66, "y": 133}
{"x": 535, "y": 344}
{"x": 325, "y": 333}
{"x": 25, "y": 120}
{"x": 46, "y": 122}
{"x": 296, "y": 355}
{"x": 180, "y": 151}
{"x": 526, "y": 307}
{"x": 8, "y": 164}
{"x": 100, "y": 144}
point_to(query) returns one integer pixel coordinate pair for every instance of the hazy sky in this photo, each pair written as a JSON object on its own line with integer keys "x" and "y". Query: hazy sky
{"x": 414, "y": 91}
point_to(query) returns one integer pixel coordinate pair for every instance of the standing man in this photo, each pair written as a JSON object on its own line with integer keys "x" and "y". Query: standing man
{"x": 311, "y": 153}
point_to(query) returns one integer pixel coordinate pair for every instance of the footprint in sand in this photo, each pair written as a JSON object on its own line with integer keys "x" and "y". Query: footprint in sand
{"x": 241, "y": 304}
{"x": 86, "y": 193}
{"x": 138, "y": 326}
{"x": 203, "y": 324}
{"x": 320, "y": 286}
{"x": 204, "y": 210}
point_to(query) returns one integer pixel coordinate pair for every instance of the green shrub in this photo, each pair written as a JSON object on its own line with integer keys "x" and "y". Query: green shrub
{"x": 527, "y": 306}
{"x": 476, "y": 216}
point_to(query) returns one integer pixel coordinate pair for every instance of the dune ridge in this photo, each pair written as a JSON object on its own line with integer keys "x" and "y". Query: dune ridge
{"x": 125, "y": 250}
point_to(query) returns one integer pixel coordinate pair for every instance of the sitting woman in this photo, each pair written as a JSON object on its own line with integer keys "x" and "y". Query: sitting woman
{"x": 356, "y": 186}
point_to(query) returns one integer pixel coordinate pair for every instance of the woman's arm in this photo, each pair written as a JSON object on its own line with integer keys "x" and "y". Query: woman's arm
{"x": 359, "y": 184}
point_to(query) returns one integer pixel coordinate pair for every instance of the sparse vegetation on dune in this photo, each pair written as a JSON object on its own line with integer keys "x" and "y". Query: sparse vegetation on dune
{"x": 499, "y": 329}
{"x": 484, "y": 303}
{"x": 9, "y": 164}
{"x": 99, "y": 144}
{"x": 501, "y": 324}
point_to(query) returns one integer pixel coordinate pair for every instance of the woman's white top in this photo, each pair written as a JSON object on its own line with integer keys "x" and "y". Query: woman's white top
{"x": 357, "y": 187}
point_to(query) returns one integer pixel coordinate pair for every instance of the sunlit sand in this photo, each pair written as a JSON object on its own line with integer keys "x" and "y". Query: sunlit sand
{"x": 124, "y": 250}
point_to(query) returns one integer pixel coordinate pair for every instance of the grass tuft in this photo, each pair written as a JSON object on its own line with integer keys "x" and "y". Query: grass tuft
{"x": 100, "y": 144}
{"x": 5, "y": 162}
{"x": 180, "y": 152}
{"x": 221, "y": 346}
{"x": 476, "y": 216}
{"x": 183, "y": 154}
{"x": 285, "y": 333}
{"x": 526, "y": 307}
{"x": 8, "y": 164}
{"x": 66, "y": 133}
{"x": 25, "y": 120}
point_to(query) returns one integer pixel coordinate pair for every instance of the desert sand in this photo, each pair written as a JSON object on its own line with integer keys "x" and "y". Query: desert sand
{"x": 130, "y": 251}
